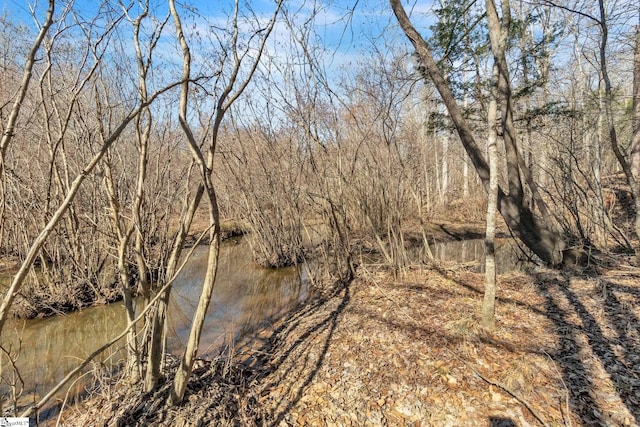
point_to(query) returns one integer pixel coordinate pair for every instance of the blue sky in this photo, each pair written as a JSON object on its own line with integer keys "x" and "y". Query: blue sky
{"x": 345, "y": 26}
{"x": 347, "y": 33}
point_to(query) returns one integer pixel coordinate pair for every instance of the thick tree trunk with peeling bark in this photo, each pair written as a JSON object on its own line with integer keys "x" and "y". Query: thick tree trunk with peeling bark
{"x": 536, "y": 232}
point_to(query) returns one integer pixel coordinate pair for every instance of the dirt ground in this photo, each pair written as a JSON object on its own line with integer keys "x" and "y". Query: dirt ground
{"x": 407, "y": 351}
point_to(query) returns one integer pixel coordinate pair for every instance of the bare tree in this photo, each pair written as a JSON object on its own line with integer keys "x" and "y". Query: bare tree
{"x": 126, "y": 212}
{"x": 607, "y": 100}
{"x": 498, "y": 31}
{"x": 59, "y": 212}
{"x": 9, "y": 127}
{"x": 537, "y": 232}
{"x": 635, "y": 135}
{"x": 231, "y": 91}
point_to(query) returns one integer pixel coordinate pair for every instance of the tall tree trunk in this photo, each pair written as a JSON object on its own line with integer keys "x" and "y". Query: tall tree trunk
{"x": 188, "y": 358}
{"x": 539, "y": 234}
{"x": 635, "y": 138}
{"x": 500, "y": 85}
{"x": 156, "y": 322}
{"x": 205, "y": 166}
{"x": 624, "y": 161}
{"x": 498, "y": 33}
{"x": 489, "y": 300}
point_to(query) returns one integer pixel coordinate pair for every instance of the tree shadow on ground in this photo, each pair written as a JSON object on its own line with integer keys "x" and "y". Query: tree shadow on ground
{"x": 320, "y": 317}
{"x": 451, "y": 231}
{"x": 582, "y": 335}
{"x": 455, "y": 233}
{"x": 501, "y": 422}
{"x": 593, "y": 324}
{"x": 220, "y": 390}
{"x": 595, "y": 327}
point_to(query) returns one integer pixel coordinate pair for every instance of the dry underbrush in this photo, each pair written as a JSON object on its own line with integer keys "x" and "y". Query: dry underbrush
{"x": 41, "y": 298}
{"x": 407, "y": 351}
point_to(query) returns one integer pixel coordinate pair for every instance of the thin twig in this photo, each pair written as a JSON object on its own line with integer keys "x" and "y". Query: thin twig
{"x": 512, "y": 393}
{"x": 566, "y": 392}
{"x": 66, "y": 397}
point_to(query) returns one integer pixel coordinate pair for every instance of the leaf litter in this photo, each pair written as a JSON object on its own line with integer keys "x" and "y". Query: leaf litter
{"x": 408, "y": 351}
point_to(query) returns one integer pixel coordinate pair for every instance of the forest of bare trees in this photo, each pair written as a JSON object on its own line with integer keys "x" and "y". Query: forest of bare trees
{"x": 123, "y": 123}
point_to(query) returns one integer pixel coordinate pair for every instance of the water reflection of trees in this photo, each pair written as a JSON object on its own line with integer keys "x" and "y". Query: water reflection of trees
{"x": 508, "y": 256}
{"x": 245, "y": 297}
{"x": 51, "y": 347}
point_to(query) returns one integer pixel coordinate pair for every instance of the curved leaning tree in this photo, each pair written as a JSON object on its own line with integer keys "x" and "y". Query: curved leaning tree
{"x": 533, "y": 227}
{"x": 241, "y": 66}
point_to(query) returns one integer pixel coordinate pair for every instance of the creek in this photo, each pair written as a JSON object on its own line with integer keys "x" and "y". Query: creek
{"x": 245, "y": 298}
{"x": 508, "y": 256}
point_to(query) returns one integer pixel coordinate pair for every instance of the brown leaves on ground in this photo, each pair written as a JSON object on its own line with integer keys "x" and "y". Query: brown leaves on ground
{"x": 408, "y": 352}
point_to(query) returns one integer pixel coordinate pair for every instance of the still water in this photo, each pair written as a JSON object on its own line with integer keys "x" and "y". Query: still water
{"x": 245, "y": 297}
{"x": 508, "y": 256}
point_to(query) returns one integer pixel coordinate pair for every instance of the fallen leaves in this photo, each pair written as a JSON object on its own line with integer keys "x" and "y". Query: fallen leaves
{"x": 408, "y": 352}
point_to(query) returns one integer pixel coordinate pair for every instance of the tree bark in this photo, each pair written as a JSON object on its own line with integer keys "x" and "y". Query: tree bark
{"x": 498, "y": 32}
{"x": 626, "y": 163}
{"x": 488, "y": 302}
{"x": 123, "y": 236}
{"x": 537, "y": 233}
{"x": 205, "y": 165}
{"x": 156, "y": 323}
{"x": 635, "y": 137}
